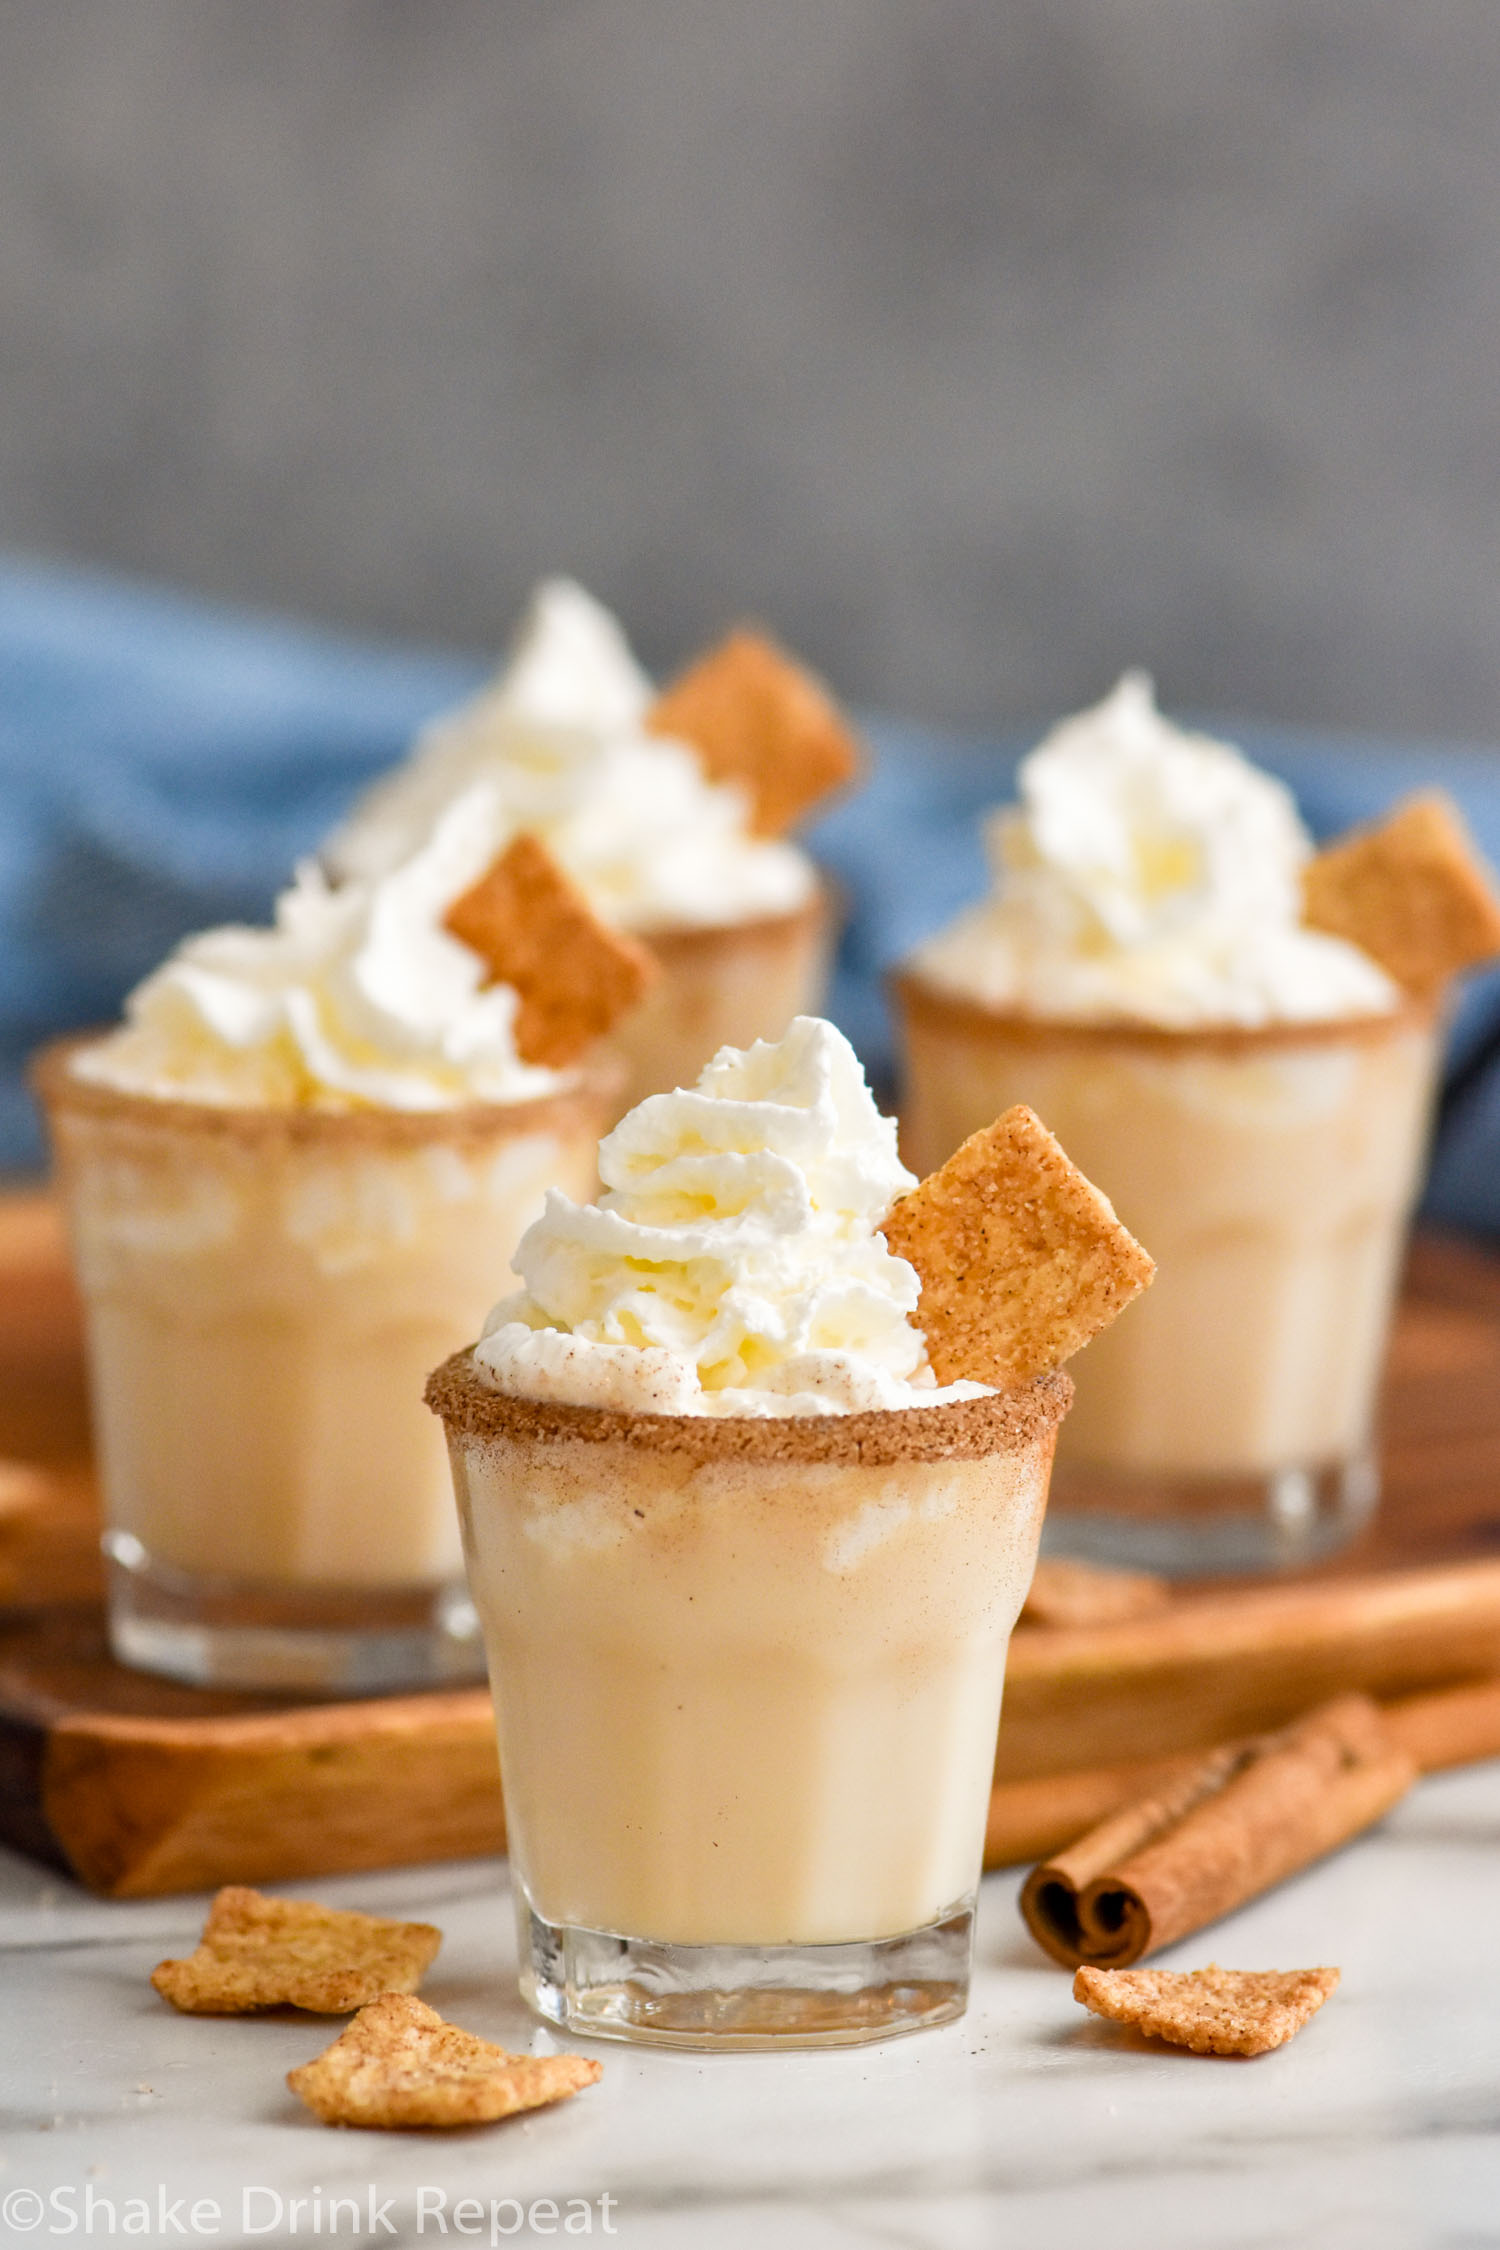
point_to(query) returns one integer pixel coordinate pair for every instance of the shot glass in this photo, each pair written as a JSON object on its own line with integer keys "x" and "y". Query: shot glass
{"x": 1229, "y": 1423}
{"x": 747, "y": 1680}
{"x": 264, "y": 1291}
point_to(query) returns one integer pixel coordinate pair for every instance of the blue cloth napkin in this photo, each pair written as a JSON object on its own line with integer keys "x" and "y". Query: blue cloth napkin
{"x": 164, "y": 761}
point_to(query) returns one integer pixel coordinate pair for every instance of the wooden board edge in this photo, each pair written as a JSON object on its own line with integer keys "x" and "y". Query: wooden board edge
{"x": 141, "y": 1808}
{"x": 1186, "y": 1678}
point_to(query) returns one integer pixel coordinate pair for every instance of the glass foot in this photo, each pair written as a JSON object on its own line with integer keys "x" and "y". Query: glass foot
{"x": 215, "y": 1632}
{"x": 1205, "y": 1527}
{"x": 747, "y": 1996}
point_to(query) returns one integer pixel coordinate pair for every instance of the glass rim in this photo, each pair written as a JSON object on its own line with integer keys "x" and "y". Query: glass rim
{"x": 918, "y": 998}
{"x": 585, "y": 1094}
{"x": 1013, "y": 1421}
{"x": 814, "y": 913}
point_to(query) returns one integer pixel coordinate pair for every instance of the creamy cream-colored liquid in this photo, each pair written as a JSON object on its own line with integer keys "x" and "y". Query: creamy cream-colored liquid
{"x": 261, "y": 1318}
{"x": 748, "y": 1702}
{"x": 1272, "y": 1183}
{"x": 720, "y": 988}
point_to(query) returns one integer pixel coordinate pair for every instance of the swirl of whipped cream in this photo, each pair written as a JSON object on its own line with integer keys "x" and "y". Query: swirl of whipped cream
{"x": 1154, "y": 875}
{"x": 357, "y": 997}
{"x": 734, "y": 1263}
{"x": 561, "y": 736}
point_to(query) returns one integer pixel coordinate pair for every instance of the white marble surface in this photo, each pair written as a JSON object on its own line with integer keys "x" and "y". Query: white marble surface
{"x": 1029, "y": 2123}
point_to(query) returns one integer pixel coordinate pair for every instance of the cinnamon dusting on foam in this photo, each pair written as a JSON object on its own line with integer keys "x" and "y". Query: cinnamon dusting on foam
{"x": 562, "y": 740}
{"x": 358, "y": 996}
{"x": 1152, "y": 876}
{"x": 734, "y": 1264}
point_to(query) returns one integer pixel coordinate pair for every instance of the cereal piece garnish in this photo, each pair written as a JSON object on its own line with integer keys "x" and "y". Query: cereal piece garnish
{"x": 1075, "y": 1593}
{"x": 535, "y": 930}
{"x": 1412, "y": 892}
{"x": 258, "y": 1952}
{"x": 399, "y": 2064}
{"x": 756, "y": 717}
{"x": 1021, "y": 1259}
{"x": 1214, "y": 2011}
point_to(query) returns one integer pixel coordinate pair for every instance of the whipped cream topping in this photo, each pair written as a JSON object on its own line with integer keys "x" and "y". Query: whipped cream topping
{"x": 733, "y": 1264}
{"x": 561, "y": 737}
{"x": 357, "y": 997}
{"x": 1154, "y": 875}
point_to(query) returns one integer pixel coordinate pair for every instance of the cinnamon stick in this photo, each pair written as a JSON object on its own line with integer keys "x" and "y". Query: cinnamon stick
{"x": 1207, "y": 1668}
{"x": 1225, "y": 1827}
{"x": 1032, "y": 1819}
{"x": 1453, "y": 1727}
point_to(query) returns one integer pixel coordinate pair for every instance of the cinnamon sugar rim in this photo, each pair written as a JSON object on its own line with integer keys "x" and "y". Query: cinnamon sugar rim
{"x": 668, "y": 939}
{"x": 1008, "y": 1421}
{"x": 918, "y": 996}
{"x": 589, "y": 1090}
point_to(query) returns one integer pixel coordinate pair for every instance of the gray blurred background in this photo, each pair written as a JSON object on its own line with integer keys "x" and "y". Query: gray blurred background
{"x": 982, "y": 348}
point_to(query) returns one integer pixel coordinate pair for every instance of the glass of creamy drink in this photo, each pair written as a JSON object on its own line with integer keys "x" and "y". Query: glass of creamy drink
{"x": 289, "y": 1178}
{"x": 669, "y": 811}
{"x": 1253, "y": 1092}
{"x": 747, "y": 1573}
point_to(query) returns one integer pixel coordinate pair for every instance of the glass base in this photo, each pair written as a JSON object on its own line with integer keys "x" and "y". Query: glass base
{"x": 312, "y": 1640}
{"x": 745, "y": 1996}
{"x": 1207, "y": 1527}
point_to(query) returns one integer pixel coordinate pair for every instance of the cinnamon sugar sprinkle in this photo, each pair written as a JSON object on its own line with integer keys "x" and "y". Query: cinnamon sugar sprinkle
{"x": 1007, "y": 1421}
{"x": 980, "y": 1019}
{"x": 590, "y": 1093}
{"x": 673, "y": 942}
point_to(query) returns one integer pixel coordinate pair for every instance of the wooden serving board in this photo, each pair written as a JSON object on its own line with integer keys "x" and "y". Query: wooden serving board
{"x": 138, "y": 1786}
